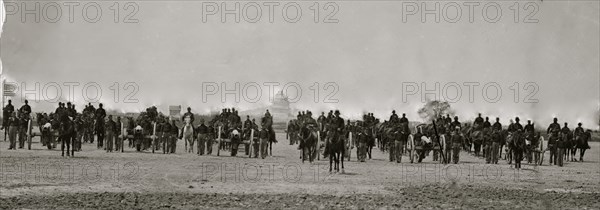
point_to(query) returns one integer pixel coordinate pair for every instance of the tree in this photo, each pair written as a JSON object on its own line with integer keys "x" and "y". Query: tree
{"x": 434, "y": 109}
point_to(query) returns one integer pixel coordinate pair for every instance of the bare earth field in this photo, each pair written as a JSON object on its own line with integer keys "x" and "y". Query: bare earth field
{"x": 42, "y": 179}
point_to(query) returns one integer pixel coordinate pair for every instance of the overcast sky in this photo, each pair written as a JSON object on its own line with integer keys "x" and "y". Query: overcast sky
{"x": 369, "y": 54}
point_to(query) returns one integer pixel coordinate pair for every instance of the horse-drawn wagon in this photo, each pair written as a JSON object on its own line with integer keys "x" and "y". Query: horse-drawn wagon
{"x": 233, "y": 139}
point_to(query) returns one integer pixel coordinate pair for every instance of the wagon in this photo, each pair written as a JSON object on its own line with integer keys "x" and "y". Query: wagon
{"x": 138, "y": 138}
{"x": 234, "y": 145}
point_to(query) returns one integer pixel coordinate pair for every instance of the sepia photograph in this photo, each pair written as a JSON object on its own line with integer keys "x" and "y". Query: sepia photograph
{"x": 300, "y": 104}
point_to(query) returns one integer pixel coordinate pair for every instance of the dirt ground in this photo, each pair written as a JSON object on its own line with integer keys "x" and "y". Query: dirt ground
{"x": 42, "y": 179}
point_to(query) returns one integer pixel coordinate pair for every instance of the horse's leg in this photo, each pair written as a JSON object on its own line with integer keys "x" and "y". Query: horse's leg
{"x": 62, "y": 145}
{"x": 581, "y": 153}
{"x": 342, "y": 162}
{"x": 331, "y": 157}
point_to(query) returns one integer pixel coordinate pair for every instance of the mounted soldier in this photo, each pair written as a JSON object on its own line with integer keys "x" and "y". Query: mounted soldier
{"x": 267, "y": 123}
{"x": 478, "y": 123}
{"x": 188, "y": 114}
{"x": 553, "y": 126}
{"x": 26, "y": 110}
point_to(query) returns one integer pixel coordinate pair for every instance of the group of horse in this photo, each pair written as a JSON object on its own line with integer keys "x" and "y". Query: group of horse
{"x": 318, "y": 140}
{"x": 314, "y": 141}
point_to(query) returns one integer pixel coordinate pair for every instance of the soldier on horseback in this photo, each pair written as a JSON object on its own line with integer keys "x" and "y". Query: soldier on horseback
{"x": 188, "y": 114}
{"x": 267, "y": 122}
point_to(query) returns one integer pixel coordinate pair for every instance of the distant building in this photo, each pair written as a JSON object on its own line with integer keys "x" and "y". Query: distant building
{"x": 280, "y": 109}
{"x": 175, "y": 112}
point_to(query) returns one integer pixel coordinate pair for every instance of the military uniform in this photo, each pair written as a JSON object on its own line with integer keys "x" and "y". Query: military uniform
{"x": 13, "y": 129}
{"x": 100, "y": 131}
{"x": 553, "y": 147}
{"x": 497, "y": 126}
{"x": 457, "y": 140}
{"x": 174, "y": 134}
{"x": 110, "y": 134}
{"x": 7, "y": 113}
{"x": 496, "y": 140}
{"x": 264, "y": 138}
{"x": 202, "y": 137}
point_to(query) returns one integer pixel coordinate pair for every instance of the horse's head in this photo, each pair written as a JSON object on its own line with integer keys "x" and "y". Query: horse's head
{"x": 235, "y": 134}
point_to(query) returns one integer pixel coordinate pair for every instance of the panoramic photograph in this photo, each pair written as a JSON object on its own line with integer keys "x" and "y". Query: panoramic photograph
{"x": 307, "y": 104}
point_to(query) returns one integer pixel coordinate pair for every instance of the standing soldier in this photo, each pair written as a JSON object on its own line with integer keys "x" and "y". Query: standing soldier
{"x": 118, "y": 139}
{"x": 457, "y": 140}
{"x": 13, "y": 128}
{"x": 166, "y": 135}
{"x": 401, "y": 138}
{"x": 78, "y": 135}
{"x": 110, "y": 133}
{"x": 553, "y": 146}
{"x": 174, "y": 135}
{"x": 100, "y": 115}
{"x": 561, "y": 146}
{"x": 567, "y": 139}
{"x": 496, "y": 139}
{"x": 264, "y": 137}
{"x": 202, "y": 137}
{"x": 7, "y": 113}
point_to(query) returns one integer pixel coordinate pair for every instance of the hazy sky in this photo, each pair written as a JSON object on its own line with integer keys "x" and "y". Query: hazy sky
{"x": 369, "y": 54}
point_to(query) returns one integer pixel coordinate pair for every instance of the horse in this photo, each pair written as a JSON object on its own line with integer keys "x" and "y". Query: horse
{"x": 236, "y": 139}
{"x": 531, "y": 143}
{"x": 336, "y": 146}
{"x": 309, "y": 137}
{"x": 65, "y": 133}
{"x": 138, "y": 137}
{"x": 518, "y": 147}
{"x": 582, "y": 143}
{"x": 188, "y": 135}
{"x": 476, "y": 139}
{"x": 47, "y": 137}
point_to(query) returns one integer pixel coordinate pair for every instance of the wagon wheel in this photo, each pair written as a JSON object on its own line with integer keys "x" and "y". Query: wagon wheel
{"x": 124, "y": 134}
{"x": 318, "y": 147}
{"x": 220, "y": 142}
{"x": 251, "y": 142}
{"x": 28, "y": 136}
{"x": 542, "y": 151}
{"x": 411, "y": 148}
{"x": 442, "y": 148}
